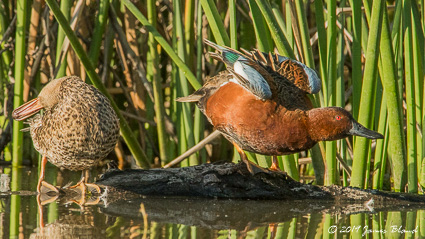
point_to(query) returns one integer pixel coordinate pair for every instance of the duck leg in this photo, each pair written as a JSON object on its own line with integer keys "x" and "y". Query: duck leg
{"x": 252, "y": 167}
{"x": 91, "y": 187}
{"x": 275, "y": 164}
{"x": 41, "y": 181}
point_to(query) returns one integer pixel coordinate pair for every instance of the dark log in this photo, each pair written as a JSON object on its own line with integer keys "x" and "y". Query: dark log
{"x": 234, "y": 181}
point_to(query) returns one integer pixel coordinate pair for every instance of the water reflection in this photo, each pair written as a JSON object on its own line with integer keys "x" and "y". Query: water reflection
{"x": 159, "y": 217}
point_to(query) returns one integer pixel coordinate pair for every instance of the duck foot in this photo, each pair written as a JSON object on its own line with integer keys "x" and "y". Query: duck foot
{"x": 82, "y": 190}
{"x": 254, "y": 168}
{"x": 275, "y": 165}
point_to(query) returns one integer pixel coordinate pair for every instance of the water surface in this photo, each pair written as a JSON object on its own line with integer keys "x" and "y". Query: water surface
{"x": 162, "y": 217}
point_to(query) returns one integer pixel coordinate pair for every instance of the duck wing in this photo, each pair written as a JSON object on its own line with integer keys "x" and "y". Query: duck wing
{"x": 302, "y": 76}
{"x": 247, "y": 72}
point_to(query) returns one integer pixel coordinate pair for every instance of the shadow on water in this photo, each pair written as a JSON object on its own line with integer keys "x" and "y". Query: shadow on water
{"x": 159, "y": 217}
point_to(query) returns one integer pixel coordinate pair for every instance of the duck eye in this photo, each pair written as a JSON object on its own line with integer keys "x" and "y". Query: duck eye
{"x": 337, "y": 117}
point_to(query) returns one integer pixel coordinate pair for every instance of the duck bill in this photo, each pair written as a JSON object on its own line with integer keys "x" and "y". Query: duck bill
{"x": 360, "y": 130}
{"x": 27, "y": 110}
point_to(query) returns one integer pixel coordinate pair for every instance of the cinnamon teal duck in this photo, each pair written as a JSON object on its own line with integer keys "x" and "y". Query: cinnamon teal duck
{"x": 77, "y": 129}
{"x": 260, "y": 104}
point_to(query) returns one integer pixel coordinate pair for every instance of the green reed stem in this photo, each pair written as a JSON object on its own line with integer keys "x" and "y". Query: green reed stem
{"x": 304, "y": 34}
{"x": 65, "y": 7}
{"x": 331, "y": 163}
{"x": 367, "y": 103}
{"x": 126, "y": 132}
{"x": 233, "y": 26}
{"x": 186, "y": 121}
{"x": 320, "y": 22}
{"x": 279, "y": 38}
{"x": 412, "y": 179}
{"x": 418, "y": 75}
{"x": 356, "y": 51}
{"x": 99, "y": 29}
{"x": 215, "y": 22}
{"x": 189, "y": 31}
{"x": 153, "y": 67}
{"x": 164, "y": 44}
{"x": 264, "y": 41}
{"x": 397, "y": 148}
{"x": 380, "y": 159}
{"x": 20, "y": 46}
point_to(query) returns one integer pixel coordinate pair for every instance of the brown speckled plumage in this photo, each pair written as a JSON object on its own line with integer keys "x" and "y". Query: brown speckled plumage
{"x": 79, "y": 130}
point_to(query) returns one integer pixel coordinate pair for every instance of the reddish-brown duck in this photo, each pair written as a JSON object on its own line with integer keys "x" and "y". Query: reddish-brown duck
{"x": 260, "y": 104}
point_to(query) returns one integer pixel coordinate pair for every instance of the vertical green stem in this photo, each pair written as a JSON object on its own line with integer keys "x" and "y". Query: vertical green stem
{"x": 367, "y": 102}
{"x": 278, "y": 37}
{"x": 233, "y": 30}
{"x": 99, "y": 29}
{"x": 392, "y": 94}
{"x": 153, "y": 66}
{"x": 331, "y": 162}
{"x": 356, "y": 51}
{"x": 65, "y": 8}
{"x": 412, "y": 179}
{"x": 20, "y": 47}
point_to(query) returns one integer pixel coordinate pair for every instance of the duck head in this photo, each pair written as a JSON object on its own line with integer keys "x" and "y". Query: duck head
{"x": 47, "y": 99}
{"x": 332, "y": 123}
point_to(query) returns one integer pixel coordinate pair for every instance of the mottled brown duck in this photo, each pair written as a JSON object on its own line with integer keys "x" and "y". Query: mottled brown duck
{"x": 77, "y": 129}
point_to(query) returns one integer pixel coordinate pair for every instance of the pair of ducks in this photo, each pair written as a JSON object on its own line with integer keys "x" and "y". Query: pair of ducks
{"x": 259, "y": 103}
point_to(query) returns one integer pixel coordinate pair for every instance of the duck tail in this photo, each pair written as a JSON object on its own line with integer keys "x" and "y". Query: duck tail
{"x": 190, "y": 98}
{"x": 227, "y": 55}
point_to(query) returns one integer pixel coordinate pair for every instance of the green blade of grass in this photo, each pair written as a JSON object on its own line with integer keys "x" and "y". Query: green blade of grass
{"x": 99, "y": 29}
{"x": 216, "y": 24}
{"x": 279, "y": 38}
{"x": 20, "y": 47}
{"x": 412, "y": 179}
{"x": 262, "y": 34}
{"x": 65, "y": 7}
{"x": 367, "y": 103}
{"x": 356, "y": 49}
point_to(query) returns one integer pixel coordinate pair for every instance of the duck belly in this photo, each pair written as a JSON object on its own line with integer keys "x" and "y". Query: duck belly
{"x": 257, "y": 126}
{"x": 76, "y": 144}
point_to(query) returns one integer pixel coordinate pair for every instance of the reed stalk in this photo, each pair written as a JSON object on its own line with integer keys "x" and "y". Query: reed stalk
{"x": 367, "y": 103}
{"x": 418, "y": 75}
{"x": 216, "y": 24}
{"x": 152, "y": 67}
{"x": 262, "y": 34}
{"x": 356, "y": 51}
{"x": 331, "y": 162}
{"x": 20, "y": 46}
{"x": 186, "y": 133}
{"x": 232, "y": 26}
{"x": 278, "y": 37}
{"x": 99, "y": 29}
{"x": 65, "y": 7}
{"x": 397, "y": 149}
{"x": 412, "y": 179}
